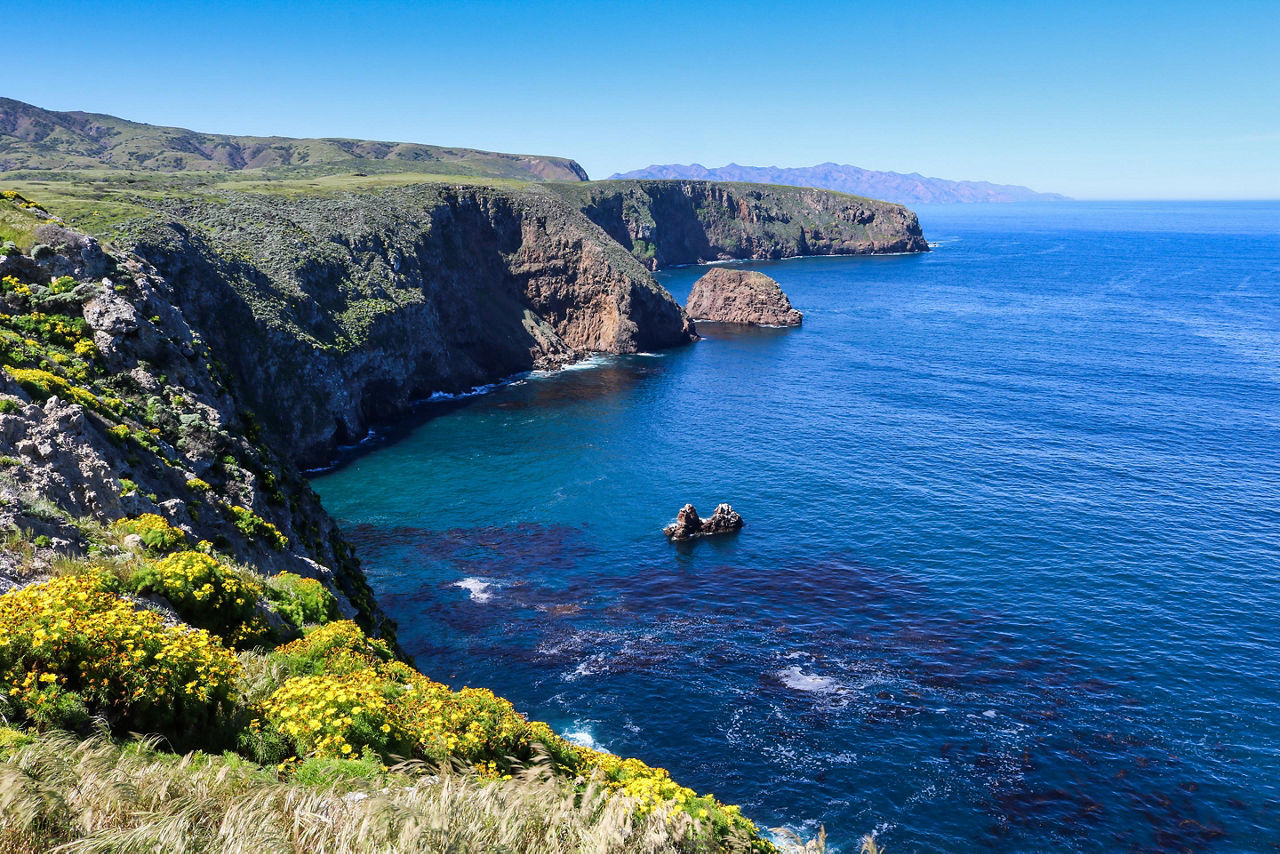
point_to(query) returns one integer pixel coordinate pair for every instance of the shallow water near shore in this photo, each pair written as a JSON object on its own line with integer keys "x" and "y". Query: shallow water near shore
{"x": 1011, "y": 570}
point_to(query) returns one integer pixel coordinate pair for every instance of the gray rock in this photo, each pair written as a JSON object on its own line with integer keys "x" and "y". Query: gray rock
{"x": 689, "y": 525}
{"x": 108, "y": 313}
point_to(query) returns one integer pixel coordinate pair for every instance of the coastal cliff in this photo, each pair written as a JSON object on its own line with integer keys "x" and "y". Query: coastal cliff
{"x": 666, "y": 223}
{"x": 113, "y": 407}
{"x": 336, "y": 311}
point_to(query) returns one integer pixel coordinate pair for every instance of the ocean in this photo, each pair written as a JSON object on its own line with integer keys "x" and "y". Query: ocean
{"x": 1010, "y": 576}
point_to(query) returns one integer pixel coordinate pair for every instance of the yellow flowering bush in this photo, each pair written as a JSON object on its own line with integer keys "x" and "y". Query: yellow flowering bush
{"x": 204, "y": 592}
{"x": 334, "y": 716}
{"x": 156, "y": 533}
{"x": 70, "y": 647}
{"x": 43, "y": 385}
{"x": 336, "y": 648}
{"x": 353, "y": 695}
{"x": 255, "y": 527}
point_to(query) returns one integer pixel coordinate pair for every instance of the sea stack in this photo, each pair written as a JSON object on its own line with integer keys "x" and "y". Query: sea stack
{"x": 726, "y": 295}
{"x": 725, "y": 520}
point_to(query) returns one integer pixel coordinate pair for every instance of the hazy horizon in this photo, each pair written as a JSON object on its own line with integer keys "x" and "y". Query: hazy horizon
{"x": 1094, "y": 101}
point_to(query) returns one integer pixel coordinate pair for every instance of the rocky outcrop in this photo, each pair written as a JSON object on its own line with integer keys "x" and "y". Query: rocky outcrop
{"x": 664, "y": 223}
{"x": 333, "y": 312}
{"x": 724, "y": 520}
{"x": 725, "y": 295}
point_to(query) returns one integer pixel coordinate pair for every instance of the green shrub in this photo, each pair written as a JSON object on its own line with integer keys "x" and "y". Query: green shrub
{"x": 204, "y": 592}
{"x": 43, "y": 385}
{"x": 302, "y": 601}
{"x": 195, "y": 484}
{"x": 9, "y": 406}
{"x": 62, "y": 285}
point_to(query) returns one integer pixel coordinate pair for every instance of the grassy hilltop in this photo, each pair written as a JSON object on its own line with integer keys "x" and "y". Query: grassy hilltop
{"x": 34, "y": 138}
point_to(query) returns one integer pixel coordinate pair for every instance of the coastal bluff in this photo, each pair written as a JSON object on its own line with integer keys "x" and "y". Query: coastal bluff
{"x": 740, "y": 296}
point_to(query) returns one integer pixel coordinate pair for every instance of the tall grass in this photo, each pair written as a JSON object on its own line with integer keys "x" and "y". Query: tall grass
{"x": 60, "y": 793}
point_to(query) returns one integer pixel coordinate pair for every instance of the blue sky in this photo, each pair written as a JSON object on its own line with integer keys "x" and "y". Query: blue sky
{"x": 1095, "y": 100}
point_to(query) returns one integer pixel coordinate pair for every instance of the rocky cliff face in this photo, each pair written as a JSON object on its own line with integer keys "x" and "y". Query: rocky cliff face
{"x": 664, "y": 223}
{"x": 335, "y": 311}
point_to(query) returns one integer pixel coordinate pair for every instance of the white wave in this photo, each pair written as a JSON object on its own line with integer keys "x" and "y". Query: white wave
{"x": 592, "y": 666}
{"x": 582, "y": 737}
{"x": 797, "y": 680}
{"x": 477, "y": 587}
{"x": 475, "y": 391}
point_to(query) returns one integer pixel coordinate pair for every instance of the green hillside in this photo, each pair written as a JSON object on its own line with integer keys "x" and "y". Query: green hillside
{"x": 32, "y": 138}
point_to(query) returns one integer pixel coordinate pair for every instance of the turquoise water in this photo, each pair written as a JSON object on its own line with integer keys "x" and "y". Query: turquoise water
{"x": 1011, "y": 570}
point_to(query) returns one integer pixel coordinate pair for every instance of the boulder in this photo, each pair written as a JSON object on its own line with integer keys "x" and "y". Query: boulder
{"x": 725, "y": 295}
{"x": 689, "y": 524}
{"x": 724, "y": 520}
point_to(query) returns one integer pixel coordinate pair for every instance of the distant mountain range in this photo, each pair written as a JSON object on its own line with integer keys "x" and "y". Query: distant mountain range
{"x": 32, "y": 138}
{"x": 889, "y": 186}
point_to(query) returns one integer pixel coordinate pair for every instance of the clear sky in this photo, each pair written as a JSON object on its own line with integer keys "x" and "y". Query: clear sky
{"x": 1092, "y": 99}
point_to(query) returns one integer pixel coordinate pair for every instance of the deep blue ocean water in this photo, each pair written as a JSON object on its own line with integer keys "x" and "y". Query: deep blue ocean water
{"x": 1011, "y": 570}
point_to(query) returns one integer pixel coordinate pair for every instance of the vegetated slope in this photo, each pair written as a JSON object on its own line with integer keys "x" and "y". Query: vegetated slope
{"x": 912, "y": 188}
{"x": 166, "y": 571}
{"x": 114, "y": 407}
{"x": 35, "y": 138}
{"x": 664, "y": 223}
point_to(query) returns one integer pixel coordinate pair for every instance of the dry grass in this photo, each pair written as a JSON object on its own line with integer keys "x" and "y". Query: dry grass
{"x": 58, "y": 793}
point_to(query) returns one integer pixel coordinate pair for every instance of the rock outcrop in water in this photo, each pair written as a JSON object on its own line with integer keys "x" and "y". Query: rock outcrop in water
{"x": 725, "y": 295}
{"x": 724, "y": 520}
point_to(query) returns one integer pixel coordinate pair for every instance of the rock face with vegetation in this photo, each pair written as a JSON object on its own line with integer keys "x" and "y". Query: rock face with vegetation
{"x": 112, "y": 407}
{"x": 725, "y": 295}
{"x": 337, "y": 311}
{"x": 664, "y": 223}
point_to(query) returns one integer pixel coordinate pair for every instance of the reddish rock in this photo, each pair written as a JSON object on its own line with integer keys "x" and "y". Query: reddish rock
{"x": 726, "y": 295}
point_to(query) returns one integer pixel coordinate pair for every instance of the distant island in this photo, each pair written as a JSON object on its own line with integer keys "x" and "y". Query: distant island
{"x": 912, "y": 188}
